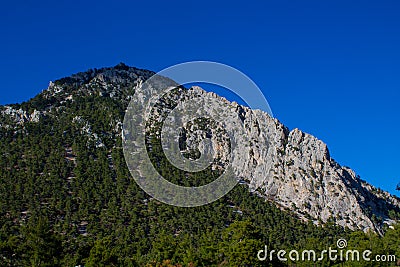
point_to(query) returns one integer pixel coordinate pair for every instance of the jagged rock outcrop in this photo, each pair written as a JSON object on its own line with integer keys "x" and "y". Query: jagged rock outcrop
{"x": 19, "y": 116}
{"x": 294, "y": 170}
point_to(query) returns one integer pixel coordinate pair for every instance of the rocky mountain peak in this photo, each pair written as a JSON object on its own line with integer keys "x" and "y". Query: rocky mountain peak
{"x": 291, "y": 169}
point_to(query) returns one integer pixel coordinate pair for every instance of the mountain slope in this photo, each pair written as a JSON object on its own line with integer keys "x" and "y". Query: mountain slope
{"x": 290, "y": 168}
{"x": 63, "y": 173}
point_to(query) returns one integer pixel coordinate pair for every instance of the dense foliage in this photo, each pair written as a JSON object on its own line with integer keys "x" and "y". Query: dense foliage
{"x": 67, "y": 199}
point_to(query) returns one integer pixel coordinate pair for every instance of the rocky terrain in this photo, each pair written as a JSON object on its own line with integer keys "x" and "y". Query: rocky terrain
{"x": 290, "y": 168}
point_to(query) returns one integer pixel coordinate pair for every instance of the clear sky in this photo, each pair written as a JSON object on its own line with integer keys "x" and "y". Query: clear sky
{"x": 330, "y": 68}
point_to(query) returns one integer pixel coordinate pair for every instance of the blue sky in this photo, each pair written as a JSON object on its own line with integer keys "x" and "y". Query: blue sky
{"x": 330, "y": 68}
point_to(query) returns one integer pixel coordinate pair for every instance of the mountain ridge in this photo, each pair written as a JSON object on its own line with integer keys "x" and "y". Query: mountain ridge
{"x": 294, "y": 171}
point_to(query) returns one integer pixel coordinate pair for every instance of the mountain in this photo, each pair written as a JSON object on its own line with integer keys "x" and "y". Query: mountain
{"x": 64, "y": 182}
{"x": 294, "y": 170}
{"x": 290, "y": 168}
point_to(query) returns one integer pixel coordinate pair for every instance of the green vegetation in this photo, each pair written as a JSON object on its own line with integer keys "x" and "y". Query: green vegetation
{"x": 67, "y": 201}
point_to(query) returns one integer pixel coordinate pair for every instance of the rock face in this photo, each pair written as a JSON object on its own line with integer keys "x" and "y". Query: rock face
{"x": 289, "y": 168}
{"x": 294, "y": 170}
{"x": 19, "y": 116}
